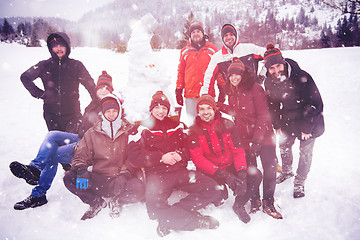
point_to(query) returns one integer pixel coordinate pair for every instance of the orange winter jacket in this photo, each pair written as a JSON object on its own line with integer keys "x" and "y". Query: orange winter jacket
{"x": 192, "y": 66}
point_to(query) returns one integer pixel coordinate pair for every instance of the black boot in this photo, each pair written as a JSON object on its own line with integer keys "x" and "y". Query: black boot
{"x": 30, "y": 202}
{"x": 240, "y": 211}
{"x": 29, "y": 173}
{"x": 94, "y": 209}
{"x": 115, "y": 208}
{"x": 299, "y": 191}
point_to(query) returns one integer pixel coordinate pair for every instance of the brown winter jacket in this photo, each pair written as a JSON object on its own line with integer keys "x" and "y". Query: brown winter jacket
{"x": 106, "y": 156}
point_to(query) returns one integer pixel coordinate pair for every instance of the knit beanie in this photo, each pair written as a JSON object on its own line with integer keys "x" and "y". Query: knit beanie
{"x": 206, "y": 99}
{"x": 228, "y": 28}
{"x": 105, "y": 80}
{"x": 109, "y": 102}
{"x": 56, "y": 40}
{"x": 236, "y": 67}
{"x": 273, "y": 56}
{"x": 196, "y": 25}
{"x": 159, "y": 98}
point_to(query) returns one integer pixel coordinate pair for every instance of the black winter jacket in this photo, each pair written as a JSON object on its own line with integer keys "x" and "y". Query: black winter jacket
{"x": 295, "y": 104}
{"x": 61, "y": 79}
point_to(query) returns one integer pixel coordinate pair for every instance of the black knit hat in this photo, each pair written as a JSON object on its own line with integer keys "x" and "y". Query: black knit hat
{"x": 236, "y": 67}
{"x": 56, "y": 40}
{"x": 105, "y": 80}
{"x": 196, "y": 25}
{"x": 228, "y": 28}
{"x": 206, "y": 99}
{"x": 109, "y": 102}
{"x": 159, "y": 98}
{"x": 273, "y": 56}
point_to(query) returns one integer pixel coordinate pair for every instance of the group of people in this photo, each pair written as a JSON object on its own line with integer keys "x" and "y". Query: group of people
{"x": 114, "y": 162}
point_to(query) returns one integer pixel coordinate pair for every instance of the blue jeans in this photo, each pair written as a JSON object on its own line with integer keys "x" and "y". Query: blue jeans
{"x": 56, "y": 148}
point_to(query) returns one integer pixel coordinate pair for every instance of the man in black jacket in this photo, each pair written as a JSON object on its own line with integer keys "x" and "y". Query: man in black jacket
{"x": 297, "y": 112}
{"x": 61, "y": 77}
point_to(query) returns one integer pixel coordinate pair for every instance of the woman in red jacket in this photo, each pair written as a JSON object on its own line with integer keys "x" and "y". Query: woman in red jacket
{"x": 248, "y": 106}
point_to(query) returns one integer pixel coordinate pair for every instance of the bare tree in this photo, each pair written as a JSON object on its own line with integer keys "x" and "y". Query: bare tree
{"x": 346, "y": 6}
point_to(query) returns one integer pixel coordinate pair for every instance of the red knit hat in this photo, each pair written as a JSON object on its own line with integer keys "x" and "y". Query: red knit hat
{"x": 206, "y": 99}
{"x": 228, "y": 28}
{"x": 109, "y": 102}
{"x": 273, "y": 56}
{"x": 105, "y": 80}
{"x": 159, "y": 98}
{"x": 236, "y": 67}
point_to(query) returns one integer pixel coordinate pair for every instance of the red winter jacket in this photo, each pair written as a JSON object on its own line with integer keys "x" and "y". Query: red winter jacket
{"x": 249, "y": 108}
{"x": 216, "y": 145}
{"x": 192, "y": 66}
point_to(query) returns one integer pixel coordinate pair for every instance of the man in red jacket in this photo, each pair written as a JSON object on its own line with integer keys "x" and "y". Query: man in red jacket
{"x": 216, "y": 150}
{"x": 194, "y": 59}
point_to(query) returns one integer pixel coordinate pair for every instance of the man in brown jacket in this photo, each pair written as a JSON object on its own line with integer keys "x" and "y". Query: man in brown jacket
{"x": 100, "y": 167}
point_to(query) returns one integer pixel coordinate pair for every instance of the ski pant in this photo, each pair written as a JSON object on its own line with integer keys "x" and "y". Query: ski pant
{"x": 65, "y": 122}
{"x": 269, "y": 164}
{"x": 305, "y": 157}
{"x": 182, "y": 215}
{"x": 56, "y": 148}
{"x": 191, "y": 109}
{"x": 102, "y": 186}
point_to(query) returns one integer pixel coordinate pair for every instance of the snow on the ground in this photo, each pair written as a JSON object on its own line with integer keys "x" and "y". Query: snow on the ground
{"x": 330, "y": 209}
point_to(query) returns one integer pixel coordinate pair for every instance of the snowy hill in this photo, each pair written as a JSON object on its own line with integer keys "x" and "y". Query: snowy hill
{"x": 330, "y": 209}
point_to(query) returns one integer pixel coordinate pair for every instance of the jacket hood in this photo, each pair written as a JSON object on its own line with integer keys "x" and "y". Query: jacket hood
{"x": 65, "y": 37}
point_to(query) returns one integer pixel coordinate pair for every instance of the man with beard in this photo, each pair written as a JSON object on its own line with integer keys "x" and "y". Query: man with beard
{"x": 296, "y": 109}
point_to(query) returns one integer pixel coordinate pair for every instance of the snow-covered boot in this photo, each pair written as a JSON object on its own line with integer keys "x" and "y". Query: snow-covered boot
{"x": 94, "y": 209}
{"x": 162, "y": 230}
{"x": 30, "y": 202}
{"x": 240, "y": 211}
{"x": 29, "y": 173}
{"x": 269, "y": 209}
{"x": 299, "y": 191}
{"x": 207, "y": 222}
{"x": 115, "y": 208}
{"x": 255, "y": 205}
{"x": 284, "y": 176}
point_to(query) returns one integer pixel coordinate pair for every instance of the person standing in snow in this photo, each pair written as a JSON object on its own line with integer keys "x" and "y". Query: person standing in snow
{"x": 57, "y": 147}
{"x": 158, "y": 146}
{"x": 296, "y": 109}
{"x": 61, "y": 77}
{"x": 221, "y": 60}
{"x": 216, "y": 150}
{"x": 194, "y": 59}
{"x": 249, "y": 109}
{"x": 100, "y": 167}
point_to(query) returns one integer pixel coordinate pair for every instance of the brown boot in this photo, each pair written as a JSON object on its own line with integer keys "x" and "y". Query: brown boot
{"x": 255, "y": 205}
{"x": 268, "y": 208}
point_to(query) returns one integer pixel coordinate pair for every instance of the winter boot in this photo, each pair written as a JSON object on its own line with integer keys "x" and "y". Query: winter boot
{"x": 269, "y": 209}
{"x": 29, "y": 173}
{"x": 94, "y": 209}
{"x": 299, "y": 191}
{"x": 255, "y": 205}
{"x": 162, "y": 230}
{"x": 30, "y": 202}
{"x": 240, "y": 211}
{"x": 207, "y": 222}
{"x": 283, "y": 176}
{"x": 115, "y": 208}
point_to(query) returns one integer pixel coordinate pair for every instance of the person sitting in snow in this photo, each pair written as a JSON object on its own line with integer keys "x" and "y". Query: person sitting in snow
{"x": 158, "y": 146}
{"x": 100, "y": 167}
{"x": 57, "y": 147}
{"x": 194, "y": 59}
{"x": 216, "y": 150}
{"x": 296, "y": 109}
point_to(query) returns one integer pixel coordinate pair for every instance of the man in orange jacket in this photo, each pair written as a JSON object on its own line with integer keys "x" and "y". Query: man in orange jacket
{"x": 194, "y": 59}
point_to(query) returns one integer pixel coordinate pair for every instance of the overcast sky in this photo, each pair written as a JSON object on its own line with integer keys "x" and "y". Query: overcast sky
{"x": 67, "y": 9}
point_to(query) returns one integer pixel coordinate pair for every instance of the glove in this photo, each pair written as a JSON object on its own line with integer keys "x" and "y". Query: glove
{"x": 230, "y": 179}
{"x": 121, "y": 181}
{"x": 241, "y": 188}
{"x": 82, "y": 178}
{"x": 255, "y": 149}
{"x": 179, "y": 97}
{"x": 222, "y": 94}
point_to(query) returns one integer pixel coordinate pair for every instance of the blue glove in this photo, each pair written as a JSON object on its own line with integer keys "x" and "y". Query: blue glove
{"x": 82, "y": 183}
{"x": 83, "y": 178}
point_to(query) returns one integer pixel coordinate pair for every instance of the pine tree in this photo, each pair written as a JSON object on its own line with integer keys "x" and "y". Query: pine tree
{"x": 7, "y": 29}
{"x": 186, "y": 35}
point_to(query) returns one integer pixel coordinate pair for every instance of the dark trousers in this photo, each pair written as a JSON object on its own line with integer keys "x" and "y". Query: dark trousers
{"x": 269, "y": 164}
{"x": 102, "y": 186}
{"x": 65, "y": 122}
{"x": 182, "y": 215}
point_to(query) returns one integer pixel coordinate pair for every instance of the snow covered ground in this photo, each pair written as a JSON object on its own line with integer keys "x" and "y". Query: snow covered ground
{"x": 330, "y": 209}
